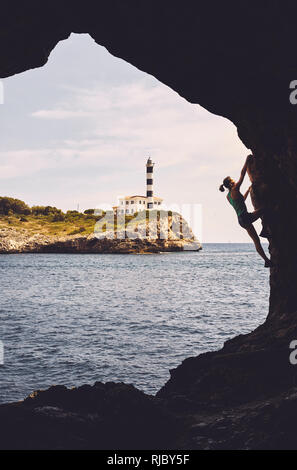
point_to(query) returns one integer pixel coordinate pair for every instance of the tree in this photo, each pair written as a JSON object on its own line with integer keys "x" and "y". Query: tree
{"x": 46, "y": 210}
{"x": 9, "y": 205}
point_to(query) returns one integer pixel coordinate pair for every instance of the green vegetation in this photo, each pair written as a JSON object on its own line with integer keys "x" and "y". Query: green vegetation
{"x": 9, "y": 205}
{"x": 138, "y": 219}
{"x": 45, "y": 220}
{"x": 89, "y": 211}
{"x": 50, "y": 221}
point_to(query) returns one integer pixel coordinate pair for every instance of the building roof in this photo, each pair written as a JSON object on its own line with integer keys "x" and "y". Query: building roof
{"x": 142, "y": 197}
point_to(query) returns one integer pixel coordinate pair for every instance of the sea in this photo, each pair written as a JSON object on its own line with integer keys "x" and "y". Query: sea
{"x": 73, "y": 319}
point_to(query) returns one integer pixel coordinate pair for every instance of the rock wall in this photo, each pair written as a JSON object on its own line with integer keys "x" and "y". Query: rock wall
{"x": 274, "y": 177}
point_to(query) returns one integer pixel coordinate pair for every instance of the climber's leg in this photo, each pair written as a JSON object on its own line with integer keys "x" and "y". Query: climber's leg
{"x": 257, "y": 214}
{"x": 261, "y": 213}
{"x": 254, "y": 236}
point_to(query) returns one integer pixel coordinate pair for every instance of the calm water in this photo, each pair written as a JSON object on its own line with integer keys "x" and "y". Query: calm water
{"x": 73, "y": 319}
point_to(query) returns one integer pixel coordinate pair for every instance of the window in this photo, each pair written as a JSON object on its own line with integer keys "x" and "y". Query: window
{"x": 127, "y": 211}
{"x": 122, "y": 202}
{"x": 127, "y": 202}
{"x": 132, "y": 202}
{"x": 159, "y": 203}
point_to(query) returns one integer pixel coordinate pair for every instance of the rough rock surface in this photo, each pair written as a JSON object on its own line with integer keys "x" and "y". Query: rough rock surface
{"x": 210, "y": 404}
{"x": 236, "y": 59}
{"x": 104, "y": 416}
{"x": 174, "y": 235}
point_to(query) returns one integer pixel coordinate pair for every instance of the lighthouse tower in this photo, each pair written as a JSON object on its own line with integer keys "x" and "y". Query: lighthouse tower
{"x": 134, "y": 204}
{"x": 149, "y": 183}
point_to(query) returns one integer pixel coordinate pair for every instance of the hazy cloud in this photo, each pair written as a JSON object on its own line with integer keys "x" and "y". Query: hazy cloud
{"x": 88, "y": 141}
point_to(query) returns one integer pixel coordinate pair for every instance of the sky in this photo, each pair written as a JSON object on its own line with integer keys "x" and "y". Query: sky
{"x": 79, "y": 131}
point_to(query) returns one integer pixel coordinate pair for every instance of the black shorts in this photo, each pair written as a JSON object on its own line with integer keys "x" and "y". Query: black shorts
{"x": 245, "y": 219}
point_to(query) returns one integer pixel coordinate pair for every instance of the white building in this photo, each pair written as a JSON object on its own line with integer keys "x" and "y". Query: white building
{"x": 131, "y": 204}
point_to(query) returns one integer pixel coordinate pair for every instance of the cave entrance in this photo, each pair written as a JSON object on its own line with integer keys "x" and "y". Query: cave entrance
{"x": 74, "y": 133}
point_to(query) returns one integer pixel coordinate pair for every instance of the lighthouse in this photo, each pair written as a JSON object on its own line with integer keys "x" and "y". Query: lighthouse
{"x": 130, "y": 205}
{"x": 149, "y": 183}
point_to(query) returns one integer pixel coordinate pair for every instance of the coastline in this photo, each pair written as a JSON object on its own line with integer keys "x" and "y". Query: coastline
{"x": 12, "y": 242}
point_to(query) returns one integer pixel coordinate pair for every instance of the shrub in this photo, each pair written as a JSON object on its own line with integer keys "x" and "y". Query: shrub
{"x": 58, "y": 217}
{"x": 89, "y": 211}
{"x": 75, "y": 213}
{"x": 46, "y": 210}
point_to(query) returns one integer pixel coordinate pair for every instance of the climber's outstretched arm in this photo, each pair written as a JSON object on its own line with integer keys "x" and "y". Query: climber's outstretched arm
{"x": 247, "y": 193}
{"x": 243, "y": 172}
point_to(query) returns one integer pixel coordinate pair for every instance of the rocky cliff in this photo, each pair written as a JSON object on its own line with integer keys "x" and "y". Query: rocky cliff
{"x": 237, "y": 59}
{"x": 164, "y": 234}
{"x": 15, "y": 242}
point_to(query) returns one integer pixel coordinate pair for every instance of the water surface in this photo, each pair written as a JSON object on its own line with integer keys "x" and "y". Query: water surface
{"x": 74, "y": 319}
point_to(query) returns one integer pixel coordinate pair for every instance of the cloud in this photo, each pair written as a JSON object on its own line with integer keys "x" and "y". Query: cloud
{"x": 95, "y": 138}
{"x": 143, "y": 117}
{"x": 126, "y": 123}
{"x": 60, "y": 114}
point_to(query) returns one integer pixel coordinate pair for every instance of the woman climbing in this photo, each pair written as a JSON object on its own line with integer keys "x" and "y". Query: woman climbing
{"x": 245, "y": 218}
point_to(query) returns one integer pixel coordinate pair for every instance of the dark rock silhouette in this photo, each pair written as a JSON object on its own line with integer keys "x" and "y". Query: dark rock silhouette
{"x": 237, "y": 59}
{"x": 104, "y": 416}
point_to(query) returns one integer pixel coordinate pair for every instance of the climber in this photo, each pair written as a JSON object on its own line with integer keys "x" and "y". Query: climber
{"x": 245, "y": 218}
